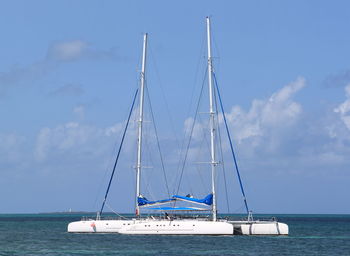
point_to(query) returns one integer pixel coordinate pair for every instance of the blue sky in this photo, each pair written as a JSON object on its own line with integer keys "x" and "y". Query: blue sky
{"x": 68, "y": 70}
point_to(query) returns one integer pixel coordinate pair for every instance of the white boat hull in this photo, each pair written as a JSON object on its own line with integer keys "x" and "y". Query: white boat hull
{"x": 97, "y": 226}
{"x": 274, "y": 228}
{"x": 260, "y": 228}
{"x": 178, "y": 227}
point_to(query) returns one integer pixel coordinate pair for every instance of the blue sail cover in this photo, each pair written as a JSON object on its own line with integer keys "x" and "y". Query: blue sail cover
{"x": 142, "y": 201}
{"x": 208, "y": 200}
{"x": 178, "y": 209}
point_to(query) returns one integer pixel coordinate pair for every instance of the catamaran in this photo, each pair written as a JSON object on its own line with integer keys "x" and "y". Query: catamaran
{"x": 171, "y": 222}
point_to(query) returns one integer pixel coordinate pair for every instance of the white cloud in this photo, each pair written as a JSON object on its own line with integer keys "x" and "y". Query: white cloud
{"x": 74, "y": 138}
{"x": 79, "y": 111}
{"x": 57, "y": 54}
{"x": 115, "y": 129}
{"x": 269, "y": 126}
{"x": 344, "y": 109}
{"x": 264, "y": 116}
{"x": 198, "y": 131}
{"x": 67, "y": 51}
{"x": 66, "y": 137}
{"x": 281, "y": 137}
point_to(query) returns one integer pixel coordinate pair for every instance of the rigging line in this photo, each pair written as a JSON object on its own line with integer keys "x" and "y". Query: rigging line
{"x": 204, "y": 141}
{"x": 119, "y": 150}
{"x": 147, "y": 187}
{"x": 158, "y": 144}
{"x": 110, "y": 159}
{"x": 188, "y": 180}
{"x": 231, "y": 145}
{"x": 110, "y": 208}
{"x": 105, "y": 173}
{"x": 217, "y": 53}
{"x": 222, "y": 155}
{"x": 164, "y": 96}
{"x": 224, "y": 171}
{"x": 144, "y": 177}
{"x": 239, "y": 209}
{"x": 192, "y": 128}
{"x": 197, "y": 158}
{"x": 200, "y": 58}
{"x": 134, "y": 147}
{"x": 204, "y": 187}
{"x": 205, "y": 135}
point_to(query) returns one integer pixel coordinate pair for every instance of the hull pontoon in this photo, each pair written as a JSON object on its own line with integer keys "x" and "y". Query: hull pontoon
{"x": 151, "y": 226}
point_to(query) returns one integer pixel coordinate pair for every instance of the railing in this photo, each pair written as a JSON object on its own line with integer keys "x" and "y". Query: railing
{"x": 182, "y": 217}
{"x": 86, "y": 218}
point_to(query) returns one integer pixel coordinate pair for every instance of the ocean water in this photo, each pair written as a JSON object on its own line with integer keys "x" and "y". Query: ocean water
{"x": 45, "y": 234}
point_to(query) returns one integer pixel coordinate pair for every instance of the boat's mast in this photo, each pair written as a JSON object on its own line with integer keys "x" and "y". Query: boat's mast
{"x": 212, "y": 119}
{"x": 140, "y": 121}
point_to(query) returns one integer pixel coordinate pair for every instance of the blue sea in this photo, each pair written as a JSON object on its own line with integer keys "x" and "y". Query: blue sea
{"x": 45, "y": 234}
